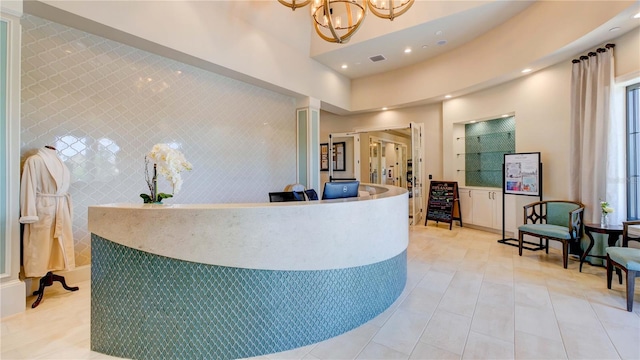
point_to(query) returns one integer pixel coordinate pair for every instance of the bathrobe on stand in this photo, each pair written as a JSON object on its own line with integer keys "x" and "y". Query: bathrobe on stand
{"x": 46, "y": 211}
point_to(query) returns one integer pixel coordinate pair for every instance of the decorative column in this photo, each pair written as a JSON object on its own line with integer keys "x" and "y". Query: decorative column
{"x": 308, "y": 144}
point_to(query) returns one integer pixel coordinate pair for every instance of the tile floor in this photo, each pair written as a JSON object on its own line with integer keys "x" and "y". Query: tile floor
{"x": 467, "y": 296}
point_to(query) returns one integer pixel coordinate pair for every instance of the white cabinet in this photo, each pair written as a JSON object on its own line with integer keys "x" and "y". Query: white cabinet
{"x": 481, "y": 207}
{"x": 466, "y": 202}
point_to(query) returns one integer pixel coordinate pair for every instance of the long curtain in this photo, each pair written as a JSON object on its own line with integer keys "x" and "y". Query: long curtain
{"x": 594, "y": 163}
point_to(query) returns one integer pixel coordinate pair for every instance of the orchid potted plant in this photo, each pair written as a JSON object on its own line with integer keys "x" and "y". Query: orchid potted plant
{"x": 169, "y": 162}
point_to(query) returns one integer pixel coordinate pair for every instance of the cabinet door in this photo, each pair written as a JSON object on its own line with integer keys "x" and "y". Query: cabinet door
{"x": 466, "y": 206}
{"x": 497, "y": 209}
{"x": 483, "y": 208}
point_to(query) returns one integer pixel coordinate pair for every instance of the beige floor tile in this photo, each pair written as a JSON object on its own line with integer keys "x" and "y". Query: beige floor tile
{"x": 436, "y": 280}
{"x": 498, "y": 294}
{"x": 346, "y": 346}
{"x": 537, "y": 321}
{"x": 571, "y": 309}
{"x": 498, "y": 276}
{"x": 447, "y": 331}
{"x": 532, "y": 295}
{"x": 298, "y": 353}
{"x": 556, "y": 313}
{"x": 626, "y": 339}
{"x": 494, "y": 320}
{"x": 480, "y": 346}
{"x": 616, "y": 315}
{"x": 537, "y": 348}
{"x": 374, "y": 350}
{"x": 459, "y": 300}
{"x": 425, "y": 351}
{"x": 467, "y": 280}
{"x": 402, "y": 330}
{"x": 422, "y": 301}
{"x": 587, "y": 342}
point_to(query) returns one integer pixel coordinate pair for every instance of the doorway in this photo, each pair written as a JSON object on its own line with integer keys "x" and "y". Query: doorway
{"x": 389, "y": 156}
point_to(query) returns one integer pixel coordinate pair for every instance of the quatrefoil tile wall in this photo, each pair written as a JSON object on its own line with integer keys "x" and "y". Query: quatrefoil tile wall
{"x": 104, "y": 104}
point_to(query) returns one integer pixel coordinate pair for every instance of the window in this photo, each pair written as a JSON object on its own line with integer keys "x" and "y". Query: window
{"x": 633, "y": 152}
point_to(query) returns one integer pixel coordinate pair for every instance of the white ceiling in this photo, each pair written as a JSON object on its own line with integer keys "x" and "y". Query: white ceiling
{"x": 456, "y": 29}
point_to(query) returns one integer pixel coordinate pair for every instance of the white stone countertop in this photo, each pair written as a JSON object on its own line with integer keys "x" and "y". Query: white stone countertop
{"x": 313, "y": 235}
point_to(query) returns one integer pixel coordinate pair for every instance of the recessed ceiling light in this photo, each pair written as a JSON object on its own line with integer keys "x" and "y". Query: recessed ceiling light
{"x": 447, "y": 96}
{"x": 344, "y": 66}
{"x": 636, "y": 16}
{"x": 505, "y": 115}
{"x": 472, "y": 122}
{"x": 385, "y": 108}
{"x": 441, "y": 42}
{"x": 407, "y": 50}
{"x": 615, "y": 28}
{"x": 526, "y": 70}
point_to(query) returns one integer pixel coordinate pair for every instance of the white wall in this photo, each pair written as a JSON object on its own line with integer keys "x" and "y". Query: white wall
{"x": 104, "y": 105}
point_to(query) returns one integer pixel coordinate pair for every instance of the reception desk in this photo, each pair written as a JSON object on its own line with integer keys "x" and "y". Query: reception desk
{"x": 240, "y": 280}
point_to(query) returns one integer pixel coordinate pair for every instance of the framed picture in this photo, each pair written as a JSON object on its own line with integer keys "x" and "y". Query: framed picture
{"x": 338, "y": 158}
{"x": 522, "y": 174}
{"x": 324, "y": 157}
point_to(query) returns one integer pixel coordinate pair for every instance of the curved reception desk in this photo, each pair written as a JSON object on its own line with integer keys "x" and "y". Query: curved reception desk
{"x": 240, "y": 280}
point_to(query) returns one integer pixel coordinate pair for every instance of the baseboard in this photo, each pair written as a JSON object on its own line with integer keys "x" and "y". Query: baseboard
{"x": 507, "y": 234}
{"x": 12, "y": 296}
{"x": 71, "y": 277}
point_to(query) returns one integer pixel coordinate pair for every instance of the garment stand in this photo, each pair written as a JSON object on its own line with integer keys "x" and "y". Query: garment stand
{"x": 513, "y": 241}
{"x": 48, "y": 280}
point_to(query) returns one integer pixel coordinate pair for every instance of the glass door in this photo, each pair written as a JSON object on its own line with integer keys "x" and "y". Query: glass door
{"x": 344, "y": 156}
{"x": 416, "y": 171}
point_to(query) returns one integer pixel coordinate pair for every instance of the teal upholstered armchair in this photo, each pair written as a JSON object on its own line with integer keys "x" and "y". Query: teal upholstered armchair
{"x": 553, "y": 220}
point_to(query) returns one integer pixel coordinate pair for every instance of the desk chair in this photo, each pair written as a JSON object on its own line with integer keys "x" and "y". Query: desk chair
{"x": 626, "y": 259}
{"x": 552, "y": 220}
{"x": 284, "y": 196}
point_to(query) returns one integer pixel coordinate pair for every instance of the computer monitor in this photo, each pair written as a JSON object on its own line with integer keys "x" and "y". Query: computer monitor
{"x": 342, "y": 189}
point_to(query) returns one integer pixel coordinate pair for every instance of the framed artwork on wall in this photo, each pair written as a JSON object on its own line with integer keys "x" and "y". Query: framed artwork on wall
{"x": 324, "y": 157}
{"x": 338, "y": 158}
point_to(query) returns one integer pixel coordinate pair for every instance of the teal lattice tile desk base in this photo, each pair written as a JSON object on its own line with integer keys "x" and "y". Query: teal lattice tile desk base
{"x": 145, "y": 306}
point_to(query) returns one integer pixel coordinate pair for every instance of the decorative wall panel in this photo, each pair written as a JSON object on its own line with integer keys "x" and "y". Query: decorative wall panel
{"x": 145, "y": 306}
{"x": 486, "y": 143}
{"x": 104, "y": 105}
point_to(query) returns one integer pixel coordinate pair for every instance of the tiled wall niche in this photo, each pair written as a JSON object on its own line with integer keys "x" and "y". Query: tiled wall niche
{"x": 104, "y": 105}
{"x": 486, "y": 143}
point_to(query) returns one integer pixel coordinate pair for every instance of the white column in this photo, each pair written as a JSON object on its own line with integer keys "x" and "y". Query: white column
{"x": 12, "y": 289}
{"x": 308, "y": 132}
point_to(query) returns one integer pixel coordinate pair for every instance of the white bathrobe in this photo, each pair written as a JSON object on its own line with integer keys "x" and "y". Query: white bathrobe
{"x": 46, "y": 211}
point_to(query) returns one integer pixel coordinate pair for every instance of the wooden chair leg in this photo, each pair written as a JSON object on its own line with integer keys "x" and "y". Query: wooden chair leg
{"x": 609, "y": 272}
{"x": 520, "y": 242}
{"x": 619, "y": 272}
{"x": 631, "y": 279}
{"x": 546, "y": 245}
{"x": 565, "y": 253}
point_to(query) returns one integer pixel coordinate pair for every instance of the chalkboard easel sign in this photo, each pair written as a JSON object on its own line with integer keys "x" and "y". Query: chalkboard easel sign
{"x": 444, "y": 203}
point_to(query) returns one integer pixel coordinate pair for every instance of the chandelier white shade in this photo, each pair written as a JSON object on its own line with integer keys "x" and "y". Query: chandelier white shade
{"x": 389, "y": 9}
{"x": 294, "y": 4}
{"x": 337, "y": 20}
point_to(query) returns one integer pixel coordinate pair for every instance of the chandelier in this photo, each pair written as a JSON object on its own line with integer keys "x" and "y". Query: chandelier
{"x": 337, "y": 20}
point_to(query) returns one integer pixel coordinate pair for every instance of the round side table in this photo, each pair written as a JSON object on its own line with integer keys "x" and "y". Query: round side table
{"x": 613, "y": 233}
